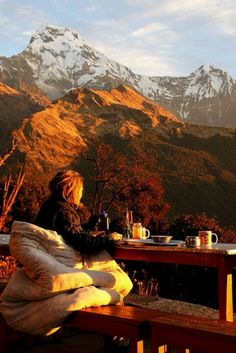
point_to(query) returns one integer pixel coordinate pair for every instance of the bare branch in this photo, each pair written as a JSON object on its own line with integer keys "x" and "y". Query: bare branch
{"x": 9, "y": 197}
{"x": 10, "y": 151}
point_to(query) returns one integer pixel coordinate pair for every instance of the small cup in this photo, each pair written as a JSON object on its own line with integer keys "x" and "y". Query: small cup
{"x": 207, "y": 236}
{"x": 192, "y": 241}
{"x": 145, "y": 233}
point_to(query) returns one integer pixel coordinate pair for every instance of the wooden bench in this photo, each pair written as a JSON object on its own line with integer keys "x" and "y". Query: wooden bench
{"x": 187, "y": 332}
{"x": 122, "y": 321}
{"x": 10, "y": 336}
{"x": 165, "y": 330}
{"x": 118, "y": 320}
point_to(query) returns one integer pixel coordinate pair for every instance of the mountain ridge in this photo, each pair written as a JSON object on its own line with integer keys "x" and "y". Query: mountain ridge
{"x": 196, "y": 164}
{"x": 70, "y": 121}
{"x": 14, "y": 107}
{"x": 58, "y": 59}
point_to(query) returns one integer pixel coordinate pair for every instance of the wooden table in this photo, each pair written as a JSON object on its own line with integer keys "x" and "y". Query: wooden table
{"x": 221, "y": 256}
{"x": 4, "y": 244}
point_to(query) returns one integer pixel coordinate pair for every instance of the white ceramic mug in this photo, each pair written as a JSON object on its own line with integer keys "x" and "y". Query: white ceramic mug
{"x": 207, "y": 236}
{"x": 145, "y": 233}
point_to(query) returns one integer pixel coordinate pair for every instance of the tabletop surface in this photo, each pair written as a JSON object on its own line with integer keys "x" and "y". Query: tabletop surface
{"x": 179, "y": 246}
{"x": 219, "y": 248}
{"x": 4, "y": 239}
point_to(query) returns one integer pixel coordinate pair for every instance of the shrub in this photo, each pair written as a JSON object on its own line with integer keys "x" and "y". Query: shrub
{"x": 189, "y": 224}
{"x": 7, "y": 268}
{"x": 144, "y": 284}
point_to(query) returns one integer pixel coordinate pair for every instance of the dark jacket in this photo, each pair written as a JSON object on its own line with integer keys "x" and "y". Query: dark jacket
{"x": 70, "y": 222}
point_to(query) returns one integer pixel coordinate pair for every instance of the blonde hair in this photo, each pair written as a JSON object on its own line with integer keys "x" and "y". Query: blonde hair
{"x": 67, "y": 184}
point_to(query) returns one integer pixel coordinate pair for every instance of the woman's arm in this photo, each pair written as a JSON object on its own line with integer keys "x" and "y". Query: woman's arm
{"x": 91, "y": 224}
{"x": 89, "y": 244}
{"x": 68, "y": 224}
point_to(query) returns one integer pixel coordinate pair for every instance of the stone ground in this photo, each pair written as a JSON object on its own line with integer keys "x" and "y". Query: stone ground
{"x": 76, "y": 341}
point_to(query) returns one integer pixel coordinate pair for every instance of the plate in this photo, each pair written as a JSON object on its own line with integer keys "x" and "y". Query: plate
{"x": 151, "y": 242}
{"x": 139, "y": 241}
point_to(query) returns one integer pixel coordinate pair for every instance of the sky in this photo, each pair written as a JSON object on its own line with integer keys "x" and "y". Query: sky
{"x": 151, "y": 37}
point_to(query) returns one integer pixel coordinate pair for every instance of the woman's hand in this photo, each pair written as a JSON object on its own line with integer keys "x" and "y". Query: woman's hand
{"x": 97, "y": 233}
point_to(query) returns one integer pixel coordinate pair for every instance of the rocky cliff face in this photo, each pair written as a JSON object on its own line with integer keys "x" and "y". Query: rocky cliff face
{"x": 58, "y": 59}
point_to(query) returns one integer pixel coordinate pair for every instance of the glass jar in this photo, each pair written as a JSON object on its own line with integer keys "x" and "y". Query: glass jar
{"x": 137, "y": 231}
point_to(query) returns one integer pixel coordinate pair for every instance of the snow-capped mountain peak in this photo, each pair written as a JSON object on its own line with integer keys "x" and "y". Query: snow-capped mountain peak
{"x": 54, "y": 50}
{"x": 207, "y": 68}
{"x": 208, "y": 81}
{"x": 58, "y": 59}
{"x": 60, "y": 55}
{"x": 52, "y": 33}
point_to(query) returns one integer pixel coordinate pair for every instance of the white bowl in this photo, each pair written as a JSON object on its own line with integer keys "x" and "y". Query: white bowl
{"x": 162, "y": 238}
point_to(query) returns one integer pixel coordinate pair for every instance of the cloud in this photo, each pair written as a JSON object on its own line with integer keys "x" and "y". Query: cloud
{"x": 155, "y": 37}
{"x": 91, "y": 8}
{"x": 28, "y": 33}
{"x": 23, "y": 16}
{"x": 30, "y": 15}
{"x": 17, "y": 22}
{"x": 178, "y": 6}
{"x": 3, "y": 20}
{"x": 225, "y": 20}
{"x": 136, "y": 57}
{"x": 219, "y": 15}
{"x": 148, "y": 29}
{"x": 154, "y": 65}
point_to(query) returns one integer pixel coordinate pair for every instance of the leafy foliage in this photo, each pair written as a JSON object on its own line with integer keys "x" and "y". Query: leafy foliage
{"x": 29, "y": 200}
{"x": 125, "y": 182}
{"x": 7, "y": 268}
{"x": 144, "y": 284}
{"x": 188, "y": 224}
{"x": 198, "y": 173}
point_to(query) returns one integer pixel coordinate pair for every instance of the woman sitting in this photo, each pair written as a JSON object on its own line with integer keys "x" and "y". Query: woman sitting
{"x": 64, "y": 213}
{"x": 64, "y": 264}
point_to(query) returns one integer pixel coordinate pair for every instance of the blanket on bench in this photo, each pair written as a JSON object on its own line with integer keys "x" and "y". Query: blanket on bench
{"x": 53, "y": 280}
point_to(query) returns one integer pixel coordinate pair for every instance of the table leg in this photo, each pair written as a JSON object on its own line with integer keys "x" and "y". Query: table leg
{"x": 136, "y": 346}
{"x": 225, "y": 288}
